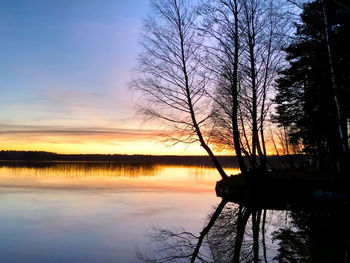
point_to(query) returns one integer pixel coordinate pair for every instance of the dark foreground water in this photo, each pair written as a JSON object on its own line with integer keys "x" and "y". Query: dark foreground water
{"x": 97, "y": 212}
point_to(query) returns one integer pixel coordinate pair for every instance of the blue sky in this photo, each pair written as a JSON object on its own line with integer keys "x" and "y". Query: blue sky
{"x": 71, "y": 49}
{"x": 64, "y": 69}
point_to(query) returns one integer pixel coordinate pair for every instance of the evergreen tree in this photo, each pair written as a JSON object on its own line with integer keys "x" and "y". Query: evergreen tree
{"x": 305, "y": 105}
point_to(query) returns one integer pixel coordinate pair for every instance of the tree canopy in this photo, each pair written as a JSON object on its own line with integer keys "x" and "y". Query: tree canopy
{"x": 305, "y": 104}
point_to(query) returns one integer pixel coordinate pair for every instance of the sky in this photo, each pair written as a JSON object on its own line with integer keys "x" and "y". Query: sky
{"x": 64, "y": 72}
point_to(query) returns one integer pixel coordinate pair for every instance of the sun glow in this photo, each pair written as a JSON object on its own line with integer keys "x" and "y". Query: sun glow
{"x": 101, "y": 142}
{"x": 118, "y": 147}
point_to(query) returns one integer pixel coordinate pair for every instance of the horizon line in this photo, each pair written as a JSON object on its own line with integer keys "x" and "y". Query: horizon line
{"x": 121, "y": 154}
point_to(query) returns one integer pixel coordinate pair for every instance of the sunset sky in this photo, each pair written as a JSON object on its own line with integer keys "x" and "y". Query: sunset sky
{"x": 64, "y": 69}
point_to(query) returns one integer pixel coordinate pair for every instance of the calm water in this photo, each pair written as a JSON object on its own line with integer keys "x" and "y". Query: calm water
{"x": 98, "y": 212}
{"x": 84, "y": 212}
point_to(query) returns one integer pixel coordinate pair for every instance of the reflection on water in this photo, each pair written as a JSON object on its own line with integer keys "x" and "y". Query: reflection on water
{"x": 102, "y": 212}
{"x": 96, "y": 212}
{"x": 74, "y": 175}
{"x": 78, "y": 169}
{"x": 317, "y": 232}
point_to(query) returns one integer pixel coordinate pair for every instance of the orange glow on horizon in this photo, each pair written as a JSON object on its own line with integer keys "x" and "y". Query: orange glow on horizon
{"x": 124, "y": 147}
{"x": 104, "y": 141}
{"x": 140, "y": 147}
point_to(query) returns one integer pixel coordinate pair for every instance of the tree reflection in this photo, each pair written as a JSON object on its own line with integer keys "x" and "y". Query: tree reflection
{"x": 223, "y": 239}
{"x": 227, "y": 238}
{"x": 182, "y": 246}
{"x": 315, "y": 235}
{"x": 238, "y": 233}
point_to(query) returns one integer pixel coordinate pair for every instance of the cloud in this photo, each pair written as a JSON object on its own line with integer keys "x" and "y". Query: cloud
{"x": 74, "y": 134}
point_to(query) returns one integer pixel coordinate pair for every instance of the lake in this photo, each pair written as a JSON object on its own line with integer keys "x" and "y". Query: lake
{"x": 96, "y": 212}
{"x": 123, "y": 212}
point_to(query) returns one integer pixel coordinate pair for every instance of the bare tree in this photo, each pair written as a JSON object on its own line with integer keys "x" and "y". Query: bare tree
{"x": 211, "y": 83}
{"x": 264, "y": 25}
{"x": 243, "y": 54}
{"x": 170, "y": 77}
{"x": 220, "y": 27}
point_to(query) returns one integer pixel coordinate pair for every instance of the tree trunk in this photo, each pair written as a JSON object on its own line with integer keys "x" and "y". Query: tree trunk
{"x": 254, "y": 101}
{"x": 235, "y": 130}
{"x": 342, "y": 139}
{"x": 189, "y": 100}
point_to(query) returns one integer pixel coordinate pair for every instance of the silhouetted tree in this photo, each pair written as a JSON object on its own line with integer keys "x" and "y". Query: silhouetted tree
{"x": 242, "y": 54}
{"x": 313, "y": 92}
{"x": 264, "y": 25}
{"x": 220, "y": 27}
{"x": 170, "y": 81}
{"x": 207, "y": 72}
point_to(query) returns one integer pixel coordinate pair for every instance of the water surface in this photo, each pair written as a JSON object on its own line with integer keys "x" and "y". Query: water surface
{"x": 97, "y": 212}
{"x": 110, "y": 212}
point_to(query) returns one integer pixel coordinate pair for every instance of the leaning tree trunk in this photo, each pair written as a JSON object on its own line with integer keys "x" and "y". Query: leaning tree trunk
{"x": 189, "y": 99}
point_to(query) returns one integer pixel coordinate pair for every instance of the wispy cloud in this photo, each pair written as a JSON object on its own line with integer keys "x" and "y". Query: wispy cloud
{"x": 75, "y": 135}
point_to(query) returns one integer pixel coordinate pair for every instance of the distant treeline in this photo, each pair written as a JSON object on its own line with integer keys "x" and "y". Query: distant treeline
{"x": 227, "y": 161}
{"x": 164, "y": 159}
